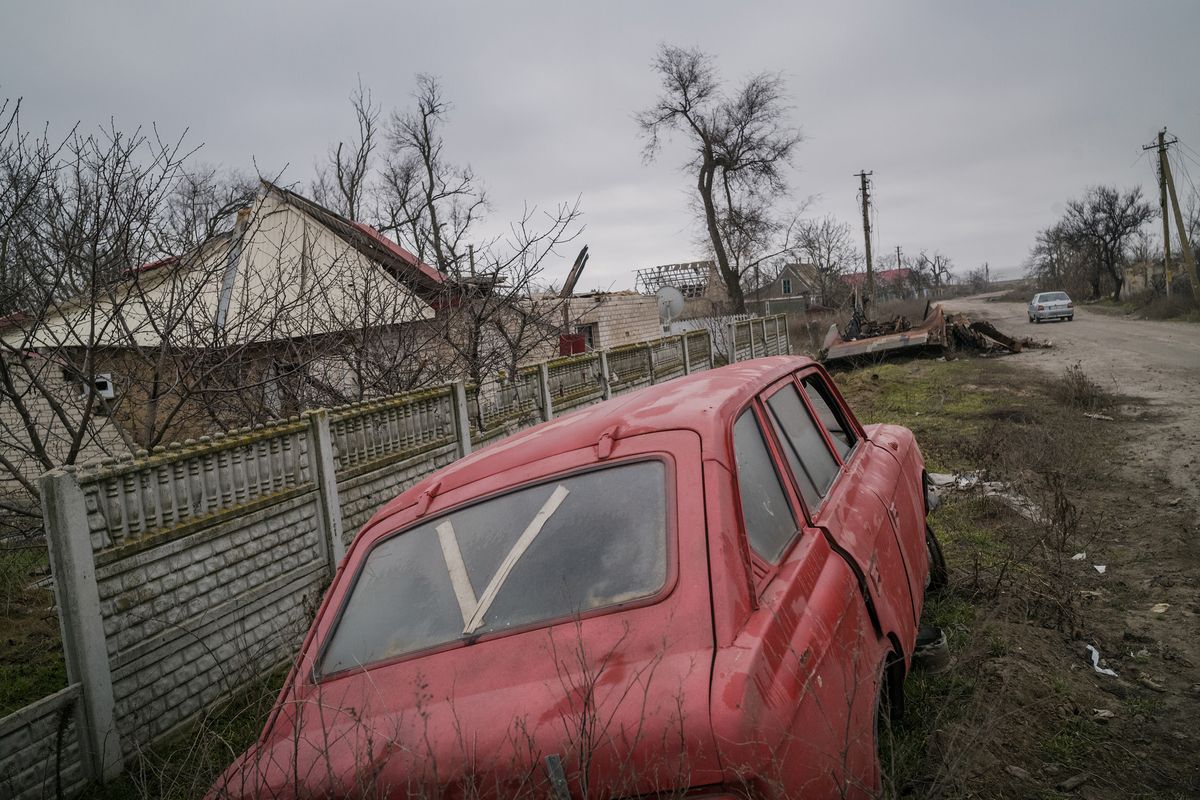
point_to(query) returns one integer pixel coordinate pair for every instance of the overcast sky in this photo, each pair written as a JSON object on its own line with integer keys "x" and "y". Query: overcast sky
{"x": 979, "y": 120}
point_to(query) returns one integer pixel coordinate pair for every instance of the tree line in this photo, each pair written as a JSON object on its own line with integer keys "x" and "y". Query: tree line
{"x": 1087, "y": 251}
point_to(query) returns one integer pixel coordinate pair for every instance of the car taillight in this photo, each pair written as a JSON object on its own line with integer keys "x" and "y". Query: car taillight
{"x": 1070, "y": 305}
{"x": 1041, "y": 308}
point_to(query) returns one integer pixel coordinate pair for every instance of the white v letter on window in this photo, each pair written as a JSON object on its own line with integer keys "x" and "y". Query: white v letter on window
{"x": 473, "y": 610}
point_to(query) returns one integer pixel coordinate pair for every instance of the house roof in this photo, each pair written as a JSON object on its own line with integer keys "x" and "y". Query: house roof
{"x": 857, "y": 279}
{"x": 406, "y": 267}
{"x": 140, "y": 308}
{"x": 690, "y": 277}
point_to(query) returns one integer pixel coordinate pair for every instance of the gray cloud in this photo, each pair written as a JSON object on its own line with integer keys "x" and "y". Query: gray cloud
{"x": 979, "y": 119}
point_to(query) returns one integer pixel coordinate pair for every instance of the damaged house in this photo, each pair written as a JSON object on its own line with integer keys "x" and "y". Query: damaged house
{"x": 293, "y": 307}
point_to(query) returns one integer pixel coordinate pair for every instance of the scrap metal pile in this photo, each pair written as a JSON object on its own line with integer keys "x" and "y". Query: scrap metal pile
{"x": 937, "y": 332}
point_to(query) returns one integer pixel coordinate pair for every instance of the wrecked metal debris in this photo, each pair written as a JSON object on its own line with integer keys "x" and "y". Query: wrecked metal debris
{"x": 937, "y": 331}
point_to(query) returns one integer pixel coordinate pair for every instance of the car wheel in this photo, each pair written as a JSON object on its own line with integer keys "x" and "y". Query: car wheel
{"x": 1071, "y": 318}
{"x": 1031, "y": 319}
{"x": 939, "y": 575}
{"x": 889, "y": 704}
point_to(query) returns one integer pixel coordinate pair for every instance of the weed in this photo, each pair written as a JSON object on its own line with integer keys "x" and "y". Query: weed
{"x": 1077, "y": 390}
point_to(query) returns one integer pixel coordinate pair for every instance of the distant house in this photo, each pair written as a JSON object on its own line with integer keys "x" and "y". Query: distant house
{"x": 797, "y": 282}
{"x": 1142, "y": 276}
{"x": 293, "y": 307}
{"x": 890, "y": 284}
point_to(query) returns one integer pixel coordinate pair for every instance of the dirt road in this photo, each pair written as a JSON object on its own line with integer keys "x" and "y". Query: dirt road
{"x": 1146, "y": 614}
{"x": 1158, "y": 362}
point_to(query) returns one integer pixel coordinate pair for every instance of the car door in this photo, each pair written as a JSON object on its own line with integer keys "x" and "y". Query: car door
{"x": 839, "y": 494}
{"x": 897, "y": 482}
{"x": 793, "y": 698}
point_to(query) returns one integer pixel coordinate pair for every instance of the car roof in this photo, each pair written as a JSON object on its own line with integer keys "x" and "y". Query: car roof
{"x": 701, "y": 402}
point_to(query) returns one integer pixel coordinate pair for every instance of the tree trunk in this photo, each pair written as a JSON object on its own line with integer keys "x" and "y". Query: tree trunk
{"x": 704, "y": 185}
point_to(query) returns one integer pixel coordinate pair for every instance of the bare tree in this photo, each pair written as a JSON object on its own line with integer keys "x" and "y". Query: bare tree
{"x": 1106, "y": 220}
{"x": 828, "y": 245}
{"x": 428, "y": 202}
{"x": 741, "y": 149}
{"x": 343, "y": 181}
{"x": 932, "y": 270}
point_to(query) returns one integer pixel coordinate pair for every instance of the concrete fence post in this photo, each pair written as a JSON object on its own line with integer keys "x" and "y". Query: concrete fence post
{"x": 85, "y": 649}
{"x": 712, "y": 354}
{"x": 787, "y": 342}
{"x": 650, "y": 361}
{"x": 462, "y": 419}
{"x": 605, "y": 382}
{"x": 320, "y": 448}
{"x": 733, "y": 342}
{"x": 687, "y": 367}
{"x": 750, "y": 331}
{"x": 543, "y": 374}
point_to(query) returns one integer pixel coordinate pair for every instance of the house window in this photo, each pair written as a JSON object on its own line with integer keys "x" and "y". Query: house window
{"x": 787, "y": 285}
{"x": 589, "y": 334}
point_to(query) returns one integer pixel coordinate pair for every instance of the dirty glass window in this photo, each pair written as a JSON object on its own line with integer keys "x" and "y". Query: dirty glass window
{"x": 765, "y": 510}
{"x": 830, "y": 416}
{"x": 544, "y": 552}
{"x": 811, "y": 461}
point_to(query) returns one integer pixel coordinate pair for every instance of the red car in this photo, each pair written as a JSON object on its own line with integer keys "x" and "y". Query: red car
{"x": 706, "y": 588}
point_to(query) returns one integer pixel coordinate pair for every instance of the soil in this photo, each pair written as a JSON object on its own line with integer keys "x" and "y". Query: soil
{"x": 1053, "y": 717}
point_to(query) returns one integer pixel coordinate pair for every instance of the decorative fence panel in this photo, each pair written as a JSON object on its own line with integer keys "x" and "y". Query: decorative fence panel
{"x": 629, "y": 368}
{"x": 575, "y": 381}
{"x": 758, "y": 337}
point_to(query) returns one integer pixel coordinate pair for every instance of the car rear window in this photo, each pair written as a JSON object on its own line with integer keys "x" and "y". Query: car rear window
{"x": 810, "y": 459}
{"x": 543, "y": 552}
{"x": 830, "y": 415}
{"x": 765, "y": 509}
{"x": 1050, "y": 297}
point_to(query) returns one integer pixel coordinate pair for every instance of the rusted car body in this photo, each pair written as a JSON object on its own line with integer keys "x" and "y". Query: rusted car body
{"x": 929, "y": 333}
{"x": 708, "y": 587}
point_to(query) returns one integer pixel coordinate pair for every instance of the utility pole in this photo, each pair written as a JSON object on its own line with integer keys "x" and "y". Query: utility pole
{"x": 1162, "y": 203}
{"x": 899, "y": 263}
{"x": 1189, "y": 258}
{"x": 866, "y": 209}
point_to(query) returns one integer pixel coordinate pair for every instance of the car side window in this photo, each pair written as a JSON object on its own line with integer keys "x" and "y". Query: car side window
{"x": 766, "y": 513}
{"x": 811, "y": 461}
{"x": 840, "y": 432}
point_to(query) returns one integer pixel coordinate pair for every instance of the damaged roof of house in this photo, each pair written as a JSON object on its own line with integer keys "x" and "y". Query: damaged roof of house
{"x": 404, "y": 265}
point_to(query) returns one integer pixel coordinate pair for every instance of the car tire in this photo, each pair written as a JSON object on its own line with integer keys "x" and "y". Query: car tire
{"x": 1071, "y": 318}
{"x": 1031, "y": 320}
{"x": 939, "y": 574}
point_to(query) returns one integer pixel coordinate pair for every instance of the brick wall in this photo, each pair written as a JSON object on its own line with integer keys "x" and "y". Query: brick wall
{"x": 100, "y": 436}
{"x": 620, "y": 317}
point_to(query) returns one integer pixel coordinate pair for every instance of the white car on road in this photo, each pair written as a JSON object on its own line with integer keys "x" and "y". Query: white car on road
{"x": 1051, "y": 305}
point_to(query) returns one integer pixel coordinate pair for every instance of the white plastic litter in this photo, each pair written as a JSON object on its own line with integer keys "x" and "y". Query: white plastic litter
{"x": 1079, "y": 557}
{"x": 1096, "y": 663}
{"x": 1159, "y": 608}
{"x": 1100, "y": 568}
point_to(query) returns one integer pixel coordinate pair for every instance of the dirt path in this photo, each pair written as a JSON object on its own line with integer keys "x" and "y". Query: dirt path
{"x": 1150, "y": 522}
{"x": 1158, "y": 362}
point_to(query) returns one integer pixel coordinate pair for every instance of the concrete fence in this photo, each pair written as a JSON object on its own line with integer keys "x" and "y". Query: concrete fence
{"x": 758, "y": 337}
{"x": 180, "y": 574}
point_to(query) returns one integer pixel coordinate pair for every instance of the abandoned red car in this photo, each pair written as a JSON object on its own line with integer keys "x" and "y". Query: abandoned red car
{"x": 706, "y": 588}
